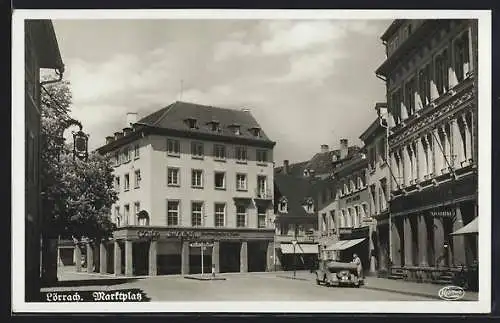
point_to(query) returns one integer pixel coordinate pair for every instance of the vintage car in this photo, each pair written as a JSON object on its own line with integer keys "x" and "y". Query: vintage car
{"x": 334, "y": 273}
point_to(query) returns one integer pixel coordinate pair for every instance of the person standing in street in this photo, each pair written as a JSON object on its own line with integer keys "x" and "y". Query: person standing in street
{"x": 357, "y": 261}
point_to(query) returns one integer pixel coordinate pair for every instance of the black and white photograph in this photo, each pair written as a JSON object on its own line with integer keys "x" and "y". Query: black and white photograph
{"x": 288, "y": 161}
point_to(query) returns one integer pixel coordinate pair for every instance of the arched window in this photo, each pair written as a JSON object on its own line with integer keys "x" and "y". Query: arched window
{"x": 143, "y": 218}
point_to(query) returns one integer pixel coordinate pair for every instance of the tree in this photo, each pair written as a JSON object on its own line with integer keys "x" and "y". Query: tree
{"x": 76, "y": 194}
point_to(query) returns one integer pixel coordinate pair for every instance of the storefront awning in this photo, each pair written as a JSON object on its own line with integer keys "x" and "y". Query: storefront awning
{"x": 299, "y": 248}
{"x": 470, "y": 228}
{"x": 344, "y": 244}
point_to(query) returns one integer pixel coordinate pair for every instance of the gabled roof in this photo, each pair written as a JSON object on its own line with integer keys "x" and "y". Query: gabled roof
{"x": 296, "y": 190}
{"x": 320, "y": 163}
{"x": 173, "y": 117}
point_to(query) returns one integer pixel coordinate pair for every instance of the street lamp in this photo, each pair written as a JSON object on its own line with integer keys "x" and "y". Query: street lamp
{"x": 294, "y": 243}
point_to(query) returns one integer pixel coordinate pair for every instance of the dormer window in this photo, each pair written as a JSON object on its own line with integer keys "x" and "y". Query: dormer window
{"x": 306, "y": 173}
{"x": 192, "y": 124}
{"x": 283, "y": 205}
{"x": 214, "y": 126}
{"x": 255, "y": 131}
{"x": 309, "y": 205}
{"x": 235, "y": 128}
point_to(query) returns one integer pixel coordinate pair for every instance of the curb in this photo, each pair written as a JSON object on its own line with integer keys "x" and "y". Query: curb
{"x": 204, "y": 278}
{"x": 292, "y": 278}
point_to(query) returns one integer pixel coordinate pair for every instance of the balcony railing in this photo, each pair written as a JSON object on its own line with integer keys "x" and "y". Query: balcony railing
{"x": 263, "y": 194}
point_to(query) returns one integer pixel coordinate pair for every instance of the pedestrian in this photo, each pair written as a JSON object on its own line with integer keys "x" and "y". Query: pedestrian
{"x": 359, "y": 266}
{"x": 213, "y": 270}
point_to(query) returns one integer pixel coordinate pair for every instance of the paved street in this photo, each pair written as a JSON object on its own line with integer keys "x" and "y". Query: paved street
{"x": 251, "y": 287}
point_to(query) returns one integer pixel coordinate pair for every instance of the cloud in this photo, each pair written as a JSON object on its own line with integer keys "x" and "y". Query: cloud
{"x": 306, "y": 82}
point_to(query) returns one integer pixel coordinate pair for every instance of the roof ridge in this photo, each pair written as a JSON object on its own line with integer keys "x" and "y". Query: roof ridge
{"x": 213, "y": 106}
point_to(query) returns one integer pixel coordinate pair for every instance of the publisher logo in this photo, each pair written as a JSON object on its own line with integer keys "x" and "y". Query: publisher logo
{"x": 451, "y": 293}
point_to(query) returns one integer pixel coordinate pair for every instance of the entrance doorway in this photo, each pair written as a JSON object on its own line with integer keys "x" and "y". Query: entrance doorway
{"x": 229, "y": 257}
{"x": 140, "y": 258}
{"x": 257, "y": 256}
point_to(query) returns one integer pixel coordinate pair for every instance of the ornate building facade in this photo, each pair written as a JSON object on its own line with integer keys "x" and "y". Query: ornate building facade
{"x": 430, "y": 74}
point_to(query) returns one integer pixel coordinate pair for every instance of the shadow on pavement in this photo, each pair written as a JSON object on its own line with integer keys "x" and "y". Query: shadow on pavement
{"x": 91, "y": 282}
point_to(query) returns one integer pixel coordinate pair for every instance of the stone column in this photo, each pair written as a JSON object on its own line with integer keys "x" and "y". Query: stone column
{"x": 103, "y": 257}
{"x": 90, "y": 258}
{"x": 371, "y": 247}
{"x": 447, "y": 150}
{"x": 439, "y": 242}
{"x": 408, "y": 245}
{"x": 129, "y": 264}
{"x": 468, "y": 141}
{"x": 407, "y": 165}
{"x": 396, "y": 245}
{"x": 422, "y": 166}
{"x": 404, "y": 111}
{"x": 458, "y": 146}
{"x": 438, "y": 153}
{"x": 430, "y": 153}
{"x": 452, "y": 77}
{"x": 244, "y": 257}
{"x": 117, "y": 258}
{"x": 423, "y": 244}
{"x": 458, "y": 251}
{"x": 216, "y": 256}
{"x": 185, "y": 258}
{"x": 434, "y": 90}
{"x": 153, "y": 261}
{"x": 270, "y": 256}
{"x": 78, "y": 256}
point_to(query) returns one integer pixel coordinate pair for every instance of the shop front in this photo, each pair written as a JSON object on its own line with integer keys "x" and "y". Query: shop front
{"x": 136, "y": 250}
{"x": 423, "y": 225}
{"x": 351, "y": 241}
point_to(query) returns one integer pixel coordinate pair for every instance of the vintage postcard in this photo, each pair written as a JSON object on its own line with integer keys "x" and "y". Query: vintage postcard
{"x": 251, "y": 161}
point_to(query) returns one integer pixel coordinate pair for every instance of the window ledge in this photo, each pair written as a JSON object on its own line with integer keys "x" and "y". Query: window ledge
{"x": 241, "y": 162}
{"x": 126, "y": 190}
{"x": 173, "y": 155}
{"x": 198, "y": 157}
{"x": 174, "y": 185}
{"x": 135, "y": 158}
{"x": 241, "y": 190}
{"x": 261, "y": 163}
{"x": 220, "y": 188}
{"x": 136, "y": 187}
{"x": 222, "y": 160}
{"x": 197, "y": 187}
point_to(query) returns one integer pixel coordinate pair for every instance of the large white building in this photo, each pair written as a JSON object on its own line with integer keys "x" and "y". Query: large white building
{"x": 190, "y": 174}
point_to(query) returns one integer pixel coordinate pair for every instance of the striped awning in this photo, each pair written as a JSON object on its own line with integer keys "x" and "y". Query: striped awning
{"x": 300, "y": 248}
{"x": 344, "y": 244}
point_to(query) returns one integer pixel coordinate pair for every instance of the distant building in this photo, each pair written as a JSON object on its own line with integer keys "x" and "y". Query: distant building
{"x": 431, "y": 78}
{"x": 295, "y": 221}
{"x": 190, "y": 174}
{"x": 378, "y": 175}
{"x": 41, "y": 51}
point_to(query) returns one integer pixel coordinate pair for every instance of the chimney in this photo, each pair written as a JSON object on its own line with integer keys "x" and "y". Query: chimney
{"x": 245, "y": 110}
{"x": 118, "y": 135}
{"x": 286, "y": 165}
{"x": 127, "y": 130}
{"x": 343, "y": 148}
{"x": 109, "y": 139}
{"x": 131, "y": 119}
{"x": 324, "y": 148}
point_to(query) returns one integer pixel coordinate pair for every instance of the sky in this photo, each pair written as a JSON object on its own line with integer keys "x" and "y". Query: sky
{"x": 307, "y": 82}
